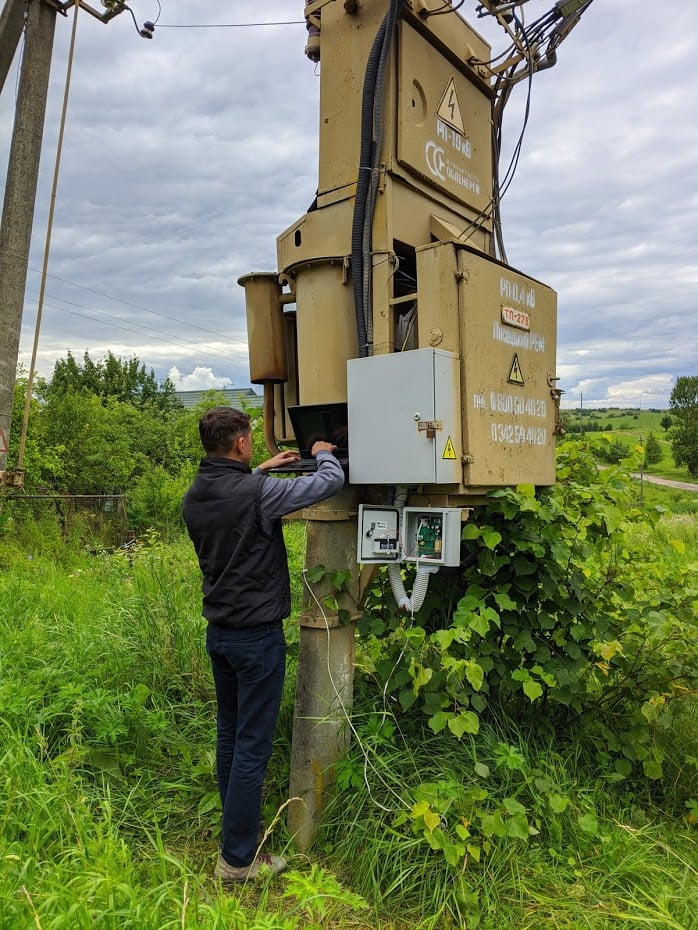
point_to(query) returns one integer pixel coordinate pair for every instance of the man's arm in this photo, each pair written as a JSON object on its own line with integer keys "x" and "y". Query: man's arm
{"x": 280, "y": 496}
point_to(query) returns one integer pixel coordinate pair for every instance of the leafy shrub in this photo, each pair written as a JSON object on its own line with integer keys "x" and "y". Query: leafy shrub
{"x": 612, "y": 451}
{"x": 156, "y": 501}
{"x": 653, "y": 451}
{"x": 551, "y": 621}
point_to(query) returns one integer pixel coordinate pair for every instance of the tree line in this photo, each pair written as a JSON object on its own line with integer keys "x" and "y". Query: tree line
{"x": 109, "y": 427}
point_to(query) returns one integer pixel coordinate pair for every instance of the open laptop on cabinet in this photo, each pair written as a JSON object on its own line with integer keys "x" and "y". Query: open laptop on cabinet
{"x": 313, "y": 422}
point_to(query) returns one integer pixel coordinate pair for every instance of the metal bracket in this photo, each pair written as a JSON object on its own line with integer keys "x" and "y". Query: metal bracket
{"x": 12, "y": 479}
{"x": 430, "y": 427}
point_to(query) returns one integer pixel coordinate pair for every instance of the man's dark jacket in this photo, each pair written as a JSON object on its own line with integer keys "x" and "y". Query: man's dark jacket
{"x": 245, "y": 570}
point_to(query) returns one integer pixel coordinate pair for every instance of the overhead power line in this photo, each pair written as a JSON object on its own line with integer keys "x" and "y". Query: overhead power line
{"x": 146, "y": 331}
{"x": 129, "y": 303}
{"x": 286, "y": 22}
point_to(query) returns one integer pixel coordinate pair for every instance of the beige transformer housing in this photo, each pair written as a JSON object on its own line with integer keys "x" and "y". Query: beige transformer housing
{"x": 434, "y": 284}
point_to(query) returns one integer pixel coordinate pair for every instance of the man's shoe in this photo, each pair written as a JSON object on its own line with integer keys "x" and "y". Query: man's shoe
{"x": 264, "y": 865}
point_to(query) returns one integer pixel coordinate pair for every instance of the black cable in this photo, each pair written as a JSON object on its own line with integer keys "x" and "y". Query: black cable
{"x": 391, "y": 19}
{"x": 500, "y": 186}
{"x": 362, "y": 186}
{"x": 129, "y": 303}
{"x": 445, "y": 9}
{"x": 221, "y": 356}
{"x": 287, "y": 22}
{"x": 143, "y": 330}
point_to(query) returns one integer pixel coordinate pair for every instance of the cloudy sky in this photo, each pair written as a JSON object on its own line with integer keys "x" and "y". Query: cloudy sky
{"x": 185, "y": 157}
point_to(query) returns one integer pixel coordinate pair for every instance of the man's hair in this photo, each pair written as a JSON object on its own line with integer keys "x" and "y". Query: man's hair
{"x": 220, "y": 427}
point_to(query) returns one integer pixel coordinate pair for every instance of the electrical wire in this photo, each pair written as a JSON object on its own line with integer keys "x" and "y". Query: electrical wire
{"x": 445, "y": 9}
{"x": 286, "y": 22}
{"x": 368, "y": 763}
{"x": 47, "y": 241}
{"x": 501, "y": 185}
{"x": 144, "y": 330}
{"x": 534, "y": 48}
{"x": 129, "y": 303}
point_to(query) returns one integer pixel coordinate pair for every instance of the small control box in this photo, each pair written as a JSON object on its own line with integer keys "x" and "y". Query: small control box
{"x": 379, "y": 534}
{"x": 432, "y": 535}
{"x": 413, "y": 534}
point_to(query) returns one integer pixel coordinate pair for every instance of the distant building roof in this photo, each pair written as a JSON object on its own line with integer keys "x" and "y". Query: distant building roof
{"x": 232, "y": 397}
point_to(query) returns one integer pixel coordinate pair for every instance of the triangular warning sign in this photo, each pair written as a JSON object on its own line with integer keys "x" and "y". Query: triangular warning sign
{"x": 448, "y": 110}
{"x": 515, "y": 373}
{"x": 449, "y": 451}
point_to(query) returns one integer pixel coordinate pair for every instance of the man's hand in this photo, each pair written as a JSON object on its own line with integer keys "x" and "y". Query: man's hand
{"x": 320, "y": 445}
{"x": 282, "y": 458}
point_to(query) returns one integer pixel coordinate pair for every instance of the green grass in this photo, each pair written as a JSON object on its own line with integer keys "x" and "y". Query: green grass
{"x": 109, "y": 811}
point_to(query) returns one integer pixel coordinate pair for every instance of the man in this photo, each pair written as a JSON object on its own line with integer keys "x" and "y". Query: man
{"x": 233, "y": 516}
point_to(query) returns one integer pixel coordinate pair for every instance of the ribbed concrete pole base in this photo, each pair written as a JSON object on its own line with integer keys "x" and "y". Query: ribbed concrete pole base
{"x": 324, "y": 686}
{"x": 321, "y": 732}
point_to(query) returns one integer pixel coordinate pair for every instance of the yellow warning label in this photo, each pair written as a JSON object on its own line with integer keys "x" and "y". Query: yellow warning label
{"x": 448, "y": 110}
{"x": 515, "y": 373}
{"x": 449, "y": 451}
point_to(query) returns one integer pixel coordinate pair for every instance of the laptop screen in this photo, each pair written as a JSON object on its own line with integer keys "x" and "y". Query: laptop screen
{"x": 313, "y": 422}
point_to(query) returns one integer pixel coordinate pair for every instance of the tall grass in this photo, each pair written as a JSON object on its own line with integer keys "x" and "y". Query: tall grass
{"x": 109, "y": 809}
{"x": 611, "y": 860}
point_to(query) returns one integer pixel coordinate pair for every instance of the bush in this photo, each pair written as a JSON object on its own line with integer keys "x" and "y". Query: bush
{"x": 551, "y": 622}
{"x": 613, "y": 451}
{"x": 653, "y": 451}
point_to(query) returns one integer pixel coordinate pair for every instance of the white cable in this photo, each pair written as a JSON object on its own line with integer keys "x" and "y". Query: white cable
{"x": 365, "y": 753}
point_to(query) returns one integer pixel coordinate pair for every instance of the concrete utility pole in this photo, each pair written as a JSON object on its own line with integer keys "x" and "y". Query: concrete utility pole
{"x": 11, "y": 25}
{"x": 20, "y": 190}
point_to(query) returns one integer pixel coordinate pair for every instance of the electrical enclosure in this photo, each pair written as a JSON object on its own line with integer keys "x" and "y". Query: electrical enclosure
{"x": 404, "y": 418}
{"x": 502, "y": 324}
{"x": 378, "y": 535}
{"x": 431, "y": 535}
{"x": 414, "y": 534}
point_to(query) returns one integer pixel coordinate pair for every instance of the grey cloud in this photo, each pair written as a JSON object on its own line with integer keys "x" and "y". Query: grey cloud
{"x": 186, "y": 157}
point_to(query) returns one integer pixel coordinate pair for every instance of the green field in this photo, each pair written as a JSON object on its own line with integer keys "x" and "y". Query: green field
{"x": 630, "y": 427}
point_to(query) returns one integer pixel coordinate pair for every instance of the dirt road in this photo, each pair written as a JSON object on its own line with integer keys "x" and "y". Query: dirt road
{"x": 666, "y": 482}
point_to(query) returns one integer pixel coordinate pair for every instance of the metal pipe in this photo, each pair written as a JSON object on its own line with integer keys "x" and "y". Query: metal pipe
{"x": 269, "y": 437}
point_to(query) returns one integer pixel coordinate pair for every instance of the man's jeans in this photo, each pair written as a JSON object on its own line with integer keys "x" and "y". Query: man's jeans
{"x": 248, "y": 672}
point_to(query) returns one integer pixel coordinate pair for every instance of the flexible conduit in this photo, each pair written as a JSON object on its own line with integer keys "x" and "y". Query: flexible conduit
{"x": 367, "y": 181}
{"x": 421, "y": 581}
{"x": 419, "y": 589}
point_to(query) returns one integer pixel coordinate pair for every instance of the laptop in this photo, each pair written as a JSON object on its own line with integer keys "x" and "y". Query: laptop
{"x": 313, "y": 422}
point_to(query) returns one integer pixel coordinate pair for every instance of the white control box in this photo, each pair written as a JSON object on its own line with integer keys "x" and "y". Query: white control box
{"x": 414, "y": 534}
{"x": 404, "y": 418}
{"x": 431, "y": 534}
{"x": 378, "y": 535}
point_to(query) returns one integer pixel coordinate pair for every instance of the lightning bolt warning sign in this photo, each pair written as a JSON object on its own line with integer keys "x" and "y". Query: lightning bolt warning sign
{"x": 449, "y": 111}
{"x": 515, "y": 373}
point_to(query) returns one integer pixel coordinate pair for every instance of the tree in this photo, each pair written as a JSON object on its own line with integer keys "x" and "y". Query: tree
{"x": 653, "y": 451}
{"x": 684, "y": 439}
{"x": 125, "y": 380}
{"x": 41, "y": 461}
{"x": 665, "y": 422}
{"x": 99, "y": 443}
